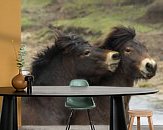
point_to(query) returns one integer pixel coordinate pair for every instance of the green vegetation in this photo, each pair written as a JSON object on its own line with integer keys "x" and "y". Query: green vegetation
{"x": 31, "y": 10}
{"x": 45, "y": 35}
{"x": 20, "y": 55}
{"x": 95, "y": 15}
{"x": 102, "y": 22}
{"x": 26, "y": 22}
{"x": 103, "y": 17}
{"x": 145, "y": 84}
{"x": 35, "y": 3}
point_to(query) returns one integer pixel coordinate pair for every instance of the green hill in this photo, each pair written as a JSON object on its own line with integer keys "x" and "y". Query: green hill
{"x": 90, "y": 18}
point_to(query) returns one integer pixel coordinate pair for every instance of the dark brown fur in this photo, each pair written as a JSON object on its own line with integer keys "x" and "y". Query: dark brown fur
{"x": 128, "y": 70}
{"x": 69, "y": 58}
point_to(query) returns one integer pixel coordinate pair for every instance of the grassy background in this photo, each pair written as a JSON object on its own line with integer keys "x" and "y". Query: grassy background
{"x": 97, "y": 15}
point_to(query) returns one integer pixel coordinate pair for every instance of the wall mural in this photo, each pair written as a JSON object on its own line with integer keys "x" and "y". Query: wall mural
{"x": 74, "y": 39}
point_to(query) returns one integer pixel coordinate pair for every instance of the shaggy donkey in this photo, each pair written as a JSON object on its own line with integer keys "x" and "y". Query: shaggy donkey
{"x": 69, "y": 58}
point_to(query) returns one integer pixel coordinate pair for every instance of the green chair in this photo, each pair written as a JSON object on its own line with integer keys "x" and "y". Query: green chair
{"x": 79, "y": 103}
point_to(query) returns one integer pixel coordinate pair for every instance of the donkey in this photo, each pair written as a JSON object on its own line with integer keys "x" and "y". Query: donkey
{"x": 135, "y": 64}
{"x": 69, "y": 58}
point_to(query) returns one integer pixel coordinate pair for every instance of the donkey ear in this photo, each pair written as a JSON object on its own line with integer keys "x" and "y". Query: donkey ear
{"x": 64, "y": 43}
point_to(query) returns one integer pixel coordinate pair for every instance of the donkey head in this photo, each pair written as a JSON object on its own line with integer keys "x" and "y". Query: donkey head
{"x": 135, "y": 59}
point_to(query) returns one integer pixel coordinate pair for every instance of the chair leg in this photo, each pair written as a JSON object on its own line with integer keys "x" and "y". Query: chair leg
{"x": 138, "y": 123}
{"x": 90, "y": 121}
{"x": 69, "y": 120}
{"x": 150, "y": 123}
{"x": 131, "y": 123}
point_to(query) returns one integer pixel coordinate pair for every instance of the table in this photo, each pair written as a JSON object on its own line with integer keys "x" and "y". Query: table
{"x": 117, "y": 116}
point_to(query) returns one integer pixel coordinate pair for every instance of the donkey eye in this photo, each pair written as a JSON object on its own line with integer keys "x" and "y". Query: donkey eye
{"x": 87, "y": 52}
{"x": 128, "y": 50}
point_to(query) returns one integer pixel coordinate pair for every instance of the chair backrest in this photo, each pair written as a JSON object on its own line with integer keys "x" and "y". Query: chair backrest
{"x": 79, "y": 101}
{"x": 79, "y": 83}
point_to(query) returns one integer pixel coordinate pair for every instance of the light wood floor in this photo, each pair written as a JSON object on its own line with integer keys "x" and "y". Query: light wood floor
{"x": 79, "y": 127}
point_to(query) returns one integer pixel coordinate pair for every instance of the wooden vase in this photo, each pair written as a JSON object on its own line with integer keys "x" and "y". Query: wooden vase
{"x": 18, "y": 82}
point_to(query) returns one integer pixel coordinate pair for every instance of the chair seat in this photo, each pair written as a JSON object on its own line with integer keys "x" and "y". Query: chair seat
{"x": 140, "y": 113}
{"x": 80, "y": 103}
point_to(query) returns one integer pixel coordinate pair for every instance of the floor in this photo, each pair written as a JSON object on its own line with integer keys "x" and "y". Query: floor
{"x": 77, "y": 127}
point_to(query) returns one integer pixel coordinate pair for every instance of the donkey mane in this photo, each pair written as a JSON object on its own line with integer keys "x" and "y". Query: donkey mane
{"x": 64, "y": 44}
{"x": 118, "y": 37}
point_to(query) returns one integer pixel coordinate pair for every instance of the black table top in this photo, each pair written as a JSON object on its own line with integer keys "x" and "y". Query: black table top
{"x": 62, "y": 91}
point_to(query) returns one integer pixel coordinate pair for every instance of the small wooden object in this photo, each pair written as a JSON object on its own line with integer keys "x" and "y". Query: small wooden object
{"x": 138, "y": 114}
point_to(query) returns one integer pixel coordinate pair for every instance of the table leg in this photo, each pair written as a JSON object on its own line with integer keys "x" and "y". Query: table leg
{"x": 9, "y": 113}
{"x": 117, "y": 113}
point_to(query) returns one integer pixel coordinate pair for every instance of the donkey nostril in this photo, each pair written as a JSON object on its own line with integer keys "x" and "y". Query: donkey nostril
{"x": 150, "y": 68}
{"x": 116, "y": 56}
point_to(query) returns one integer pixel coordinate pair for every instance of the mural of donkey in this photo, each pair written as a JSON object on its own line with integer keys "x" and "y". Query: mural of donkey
{"x": 135, "y": 64}
{"x": 69, "y": 58}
